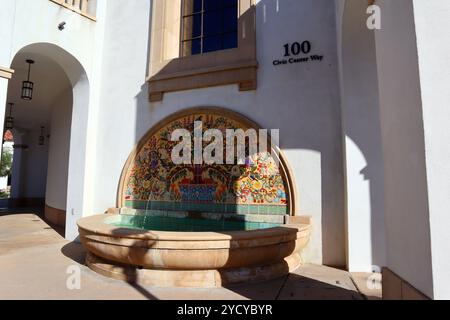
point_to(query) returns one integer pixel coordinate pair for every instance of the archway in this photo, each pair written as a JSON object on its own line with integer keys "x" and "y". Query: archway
{"x": 47, "y": 171}
{"x": 151, "y": 181}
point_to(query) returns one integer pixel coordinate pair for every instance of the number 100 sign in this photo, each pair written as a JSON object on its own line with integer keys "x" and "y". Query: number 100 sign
{"x": 297, "y": 48}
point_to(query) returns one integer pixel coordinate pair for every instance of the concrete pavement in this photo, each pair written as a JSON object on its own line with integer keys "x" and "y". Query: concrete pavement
{"x": 35, "y": 260}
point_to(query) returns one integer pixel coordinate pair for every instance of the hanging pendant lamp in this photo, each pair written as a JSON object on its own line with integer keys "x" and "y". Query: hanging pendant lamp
{"x": 42, "y": 137}
{"x": 9, "y": 122}
{"x": 27, "y": 85}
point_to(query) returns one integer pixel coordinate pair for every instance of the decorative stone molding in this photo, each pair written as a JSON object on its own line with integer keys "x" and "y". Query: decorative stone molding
{"x": 78, "y": 6}
{"x": 6, "y": 73}
{"x": 170, "y": 71}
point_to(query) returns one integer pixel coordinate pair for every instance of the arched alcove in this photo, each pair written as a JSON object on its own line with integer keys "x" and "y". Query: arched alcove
{"x": 151, "y": 181}
{"x": 60, "y": 104}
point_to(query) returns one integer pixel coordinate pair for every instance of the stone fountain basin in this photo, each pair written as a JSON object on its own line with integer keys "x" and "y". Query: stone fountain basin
{"x": 191, "y": 259}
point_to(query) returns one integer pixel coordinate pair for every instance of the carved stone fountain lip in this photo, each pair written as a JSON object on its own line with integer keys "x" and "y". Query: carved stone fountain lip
{"x": 192, "y": 259}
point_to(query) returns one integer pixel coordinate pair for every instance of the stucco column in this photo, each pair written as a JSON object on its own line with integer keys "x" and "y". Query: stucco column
{"x": 363, "y": 159}
{"x": 432, "y": 24}
{"x": 17, "y": 181}
{"x": 5, "y": 75}
{"x": 77, "y": 179}
{"x": 408, "y": 238}
{"x": 3, "y": 97}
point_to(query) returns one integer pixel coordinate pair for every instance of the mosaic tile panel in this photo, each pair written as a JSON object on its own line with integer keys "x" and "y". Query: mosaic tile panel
{"x": 154, "y": 182}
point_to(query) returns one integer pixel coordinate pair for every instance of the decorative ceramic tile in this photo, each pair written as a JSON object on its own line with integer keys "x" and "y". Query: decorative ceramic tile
{"x": 156, "y": 183}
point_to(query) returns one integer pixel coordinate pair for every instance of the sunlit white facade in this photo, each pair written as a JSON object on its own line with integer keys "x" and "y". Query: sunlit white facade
{"x": 363, "y": 121}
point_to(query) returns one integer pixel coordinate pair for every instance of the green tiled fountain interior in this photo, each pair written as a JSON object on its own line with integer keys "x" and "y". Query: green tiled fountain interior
{"x": 208, "y": 207}
{"x": 215, "y": 216}
{"x": 185, "y": 224}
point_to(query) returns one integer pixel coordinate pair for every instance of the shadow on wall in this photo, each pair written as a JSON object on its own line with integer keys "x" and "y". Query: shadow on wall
{"x": 317, "y": 123}
{"x": 362, "y": 134}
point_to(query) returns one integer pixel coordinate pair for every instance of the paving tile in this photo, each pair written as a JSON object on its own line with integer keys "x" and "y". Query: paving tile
{"x": 313, "y": 282}
{"x": 369, "y": 284}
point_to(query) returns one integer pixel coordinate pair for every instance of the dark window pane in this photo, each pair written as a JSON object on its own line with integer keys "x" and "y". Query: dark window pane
{"x": 212, "y": 23}
{"x": 197, "y": 5}
{"x": 229, "y": 3}
{"x": 219, "y": 4}
{"x": 197, "y": 27}
{"x": 192, "y": 6}
{"x": 196, "y": 46}
{"x": 230, "y": 20}
{"x": 213, "y": 4}
{"x": 192, "y": 26}
{"x": 230, "y": 40}
{"x": 192, "y": 47}
{"x": 209, "y": 25}
{"x": 212, "y": 44}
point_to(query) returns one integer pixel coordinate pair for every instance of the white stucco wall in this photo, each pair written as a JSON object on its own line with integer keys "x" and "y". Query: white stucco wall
{"x": 408, "y": 240}
{"x": 331, "y": 124}
{"x": 35, "y": 167}
{"x": 42, "y": 26}
{"x": 16, "y": 176}
{"x": 362, "y": 139}
{"x": 29, "y": 171}
{"x": 302, "y": 100}
{"x": 7, "y": 15}
{"x": 331, "y": 119}
{"x": 433, "y": 43}
{"x": 33, "y": 26}
{"x": 3, "y": 97}
{"x": 413, "y": 77}
{"x": 59, "y": 149}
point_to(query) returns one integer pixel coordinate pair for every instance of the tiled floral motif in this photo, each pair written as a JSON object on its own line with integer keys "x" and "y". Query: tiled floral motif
{"x": 156, "y": 180}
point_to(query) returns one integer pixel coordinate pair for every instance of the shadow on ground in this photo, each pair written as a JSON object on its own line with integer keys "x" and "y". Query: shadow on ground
{"x": 24, "y": 242}
{"x": 337, "y": 286}
{"x": 77, "y": 253}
